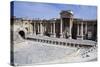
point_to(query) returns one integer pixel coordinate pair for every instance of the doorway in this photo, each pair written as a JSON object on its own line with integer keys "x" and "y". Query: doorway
{"x": 22, "y": 34}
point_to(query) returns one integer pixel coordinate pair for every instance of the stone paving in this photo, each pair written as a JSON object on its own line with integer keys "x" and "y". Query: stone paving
{"x": 34, "y": 52}
{"x": 30, "y": 52}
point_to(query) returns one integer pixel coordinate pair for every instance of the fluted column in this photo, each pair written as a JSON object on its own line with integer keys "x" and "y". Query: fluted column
{"x": 45, "y": 27}
{"x": 41, "y": 28}
{"x": 34, "y": 28}
{"x": 30, "y": 27}
{"x": 77, "y": 30}
{"x": 54, "y": 34}
{"x": 61, "y": 28}
{"x": 51, "y": 29}
{"x": 81, "y": 30}
{"x": 70, "y": 28}
{"x": 38, "y": 28}
{"x": 86, "y": 28}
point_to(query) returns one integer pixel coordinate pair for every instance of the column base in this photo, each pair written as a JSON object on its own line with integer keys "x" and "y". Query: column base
{"x": 79, "y": 37}
{"x": 54, "y": 35}
{"x": 70, "y": 37}
{"x": 30, "y": 33}
{"x": 61, "y": 35}
{"x": 40, "y": 34}
{"x": 34, "y": 33}
{"x": 51, "y": 35}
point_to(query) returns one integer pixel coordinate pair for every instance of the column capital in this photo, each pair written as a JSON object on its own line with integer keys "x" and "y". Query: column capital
{"x": 41, "y": 22}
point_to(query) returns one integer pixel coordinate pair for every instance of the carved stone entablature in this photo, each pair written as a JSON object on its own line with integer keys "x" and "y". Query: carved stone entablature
{"x": 66, "y": 14}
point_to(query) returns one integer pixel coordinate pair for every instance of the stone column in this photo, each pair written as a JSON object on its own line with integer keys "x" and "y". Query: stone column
{"x": 51, "y": 29}
{"x": 41, "y": 28}
{"x": 77, "y": 30}
{"x": 45, "y": 27}
{"x": 34, "y": 28}
{"x": 54, "y": 34}
{"x": 30, "y": 27}
{"x": 86, "y": 28}
{"x": 38, "y": 28}
{"x": 81, "y": 33}
{"x": 70, "y": 28}
{"x": 61, "y": 28}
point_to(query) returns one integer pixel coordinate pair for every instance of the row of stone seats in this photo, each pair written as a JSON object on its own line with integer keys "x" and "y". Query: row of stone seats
{"x": 86, "y": 52}
{"x": 52, "y": 42}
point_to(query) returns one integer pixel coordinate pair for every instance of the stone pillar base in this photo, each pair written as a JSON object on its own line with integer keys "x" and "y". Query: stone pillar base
{"x": 34, "y": 33}
{"x": 70, "y": 37}
{"x": 54, "y": 35}
{"x": 40, "y": 34}
{"x": 61, "y": 35}
{"x": 51, "y": 35}
{"x": 30, "y": 33}
{"x": 80, "y": 37}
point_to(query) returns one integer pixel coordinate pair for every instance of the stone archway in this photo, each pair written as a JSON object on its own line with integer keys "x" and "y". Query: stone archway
{"x": 22, "y": 34}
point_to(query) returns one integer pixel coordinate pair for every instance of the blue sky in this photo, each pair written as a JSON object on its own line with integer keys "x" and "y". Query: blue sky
{"x": 52, "y": 10}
